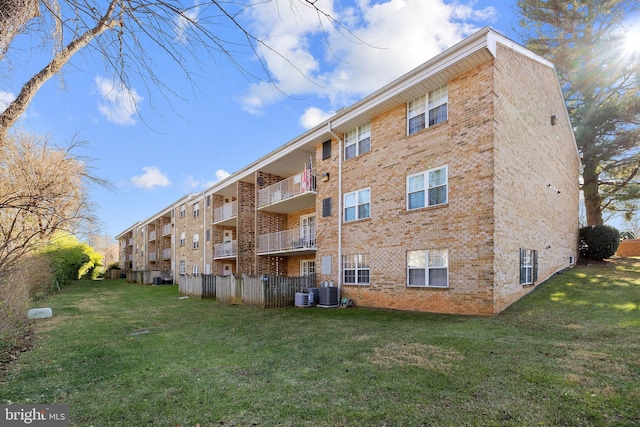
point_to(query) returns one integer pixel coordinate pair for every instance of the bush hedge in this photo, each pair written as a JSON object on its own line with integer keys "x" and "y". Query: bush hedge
{"x": 598, "y": 241}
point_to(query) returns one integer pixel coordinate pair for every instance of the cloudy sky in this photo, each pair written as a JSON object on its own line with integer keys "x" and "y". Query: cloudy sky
{"x": 157, "y": 144}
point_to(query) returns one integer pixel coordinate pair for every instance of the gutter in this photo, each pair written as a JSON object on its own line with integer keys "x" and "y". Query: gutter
{"x": 339, "y": 206}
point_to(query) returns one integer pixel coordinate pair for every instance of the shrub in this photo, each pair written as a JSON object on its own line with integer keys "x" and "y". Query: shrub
{"x": 598, "y": 241}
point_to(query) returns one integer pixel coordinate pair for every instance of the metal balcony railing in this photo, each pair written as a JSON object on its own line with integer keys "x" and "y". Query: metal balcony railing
{"x": 166, "y": 229}
{"x": 287, "y": 240}
{"x": 295, "y": 185}
{"x": 166, "y": 253}
{"x": 152, "y": 236}
{"x": 226, "y": 211}
{"x": 226, "y": 249}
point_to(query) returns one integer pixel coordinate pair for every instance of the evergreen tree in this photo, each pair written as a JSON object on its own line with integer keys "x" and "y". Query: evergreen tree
{"x": 599, "y": 75}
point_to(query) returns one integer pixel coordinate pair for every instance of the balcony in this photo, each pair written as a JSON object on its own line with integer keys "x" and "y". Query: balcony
{"x": 166, "y": 229}
{"x": 152, "y": 256}
{"x": 225, "y": 250}
{"x": 294, "y": 242}
{"x": 226, "y": 214}
{"x": 166, "y": 253}
{"x": 152, "y": 236}
{"x": 289, "y": 195}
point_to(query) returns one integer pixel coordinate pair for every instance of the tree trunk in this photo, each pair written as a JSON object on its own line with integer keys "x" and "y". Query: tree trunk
{"x": 592, "y": 197}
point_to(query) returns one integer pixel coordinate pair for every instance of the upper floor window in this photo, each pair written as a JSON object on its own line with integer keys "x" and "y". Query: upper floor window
{"x": 182, "y": 267}
{"x": 358, "y": 141}
{"x": 357, "y": 205}
{"x": 182, "y": 211}
{"x": 196, "y": 210}
{"x": 196, "y": 241}
{"x": 428, "y": 110}
{"x": 182, "y": 239}
{"x": 427, "y": 188}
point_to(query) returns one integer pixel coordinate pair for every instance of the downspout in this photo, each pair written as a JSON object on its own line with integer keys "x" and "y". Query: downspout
{"x": 204, "y": 228}
{"x": 339, "y": 208}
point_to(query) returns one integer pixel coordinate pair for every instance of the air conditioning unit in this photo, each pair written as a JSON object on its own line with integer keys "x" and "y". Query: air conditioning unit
{"x": 303, "y": 299}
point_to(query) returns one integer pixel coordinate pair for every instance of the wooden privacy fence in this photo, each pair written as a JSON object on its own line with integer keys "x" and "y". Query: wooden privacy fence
{"x": 201, "y": 286}
{"x": 263, "y": 291}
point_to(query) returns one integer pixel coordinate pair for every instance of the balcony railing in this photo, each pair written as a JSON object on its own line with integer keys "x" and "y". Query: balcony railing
{"x": 166, "y": 229}
{"x": 166, "y": 253}
{"x": 226, "y": 249}
{"x": 152, "y": 256}
{"x": 301, "y": 183}
{"x": 288, "y": 240}
{"x": 152, "y": 236}
{"x": 226, "y": 211}
{"x": 130, "y": 242}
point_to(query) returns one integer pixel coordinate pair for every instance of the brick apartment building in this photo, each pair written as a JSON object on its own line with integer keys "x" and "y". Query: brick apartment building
{"x": 453, "y": 189}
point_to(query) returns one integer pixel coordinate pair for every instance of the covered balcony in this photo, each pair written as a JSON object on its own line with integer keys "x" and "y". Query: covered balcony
{"x": 225, "y": 250}
{"x": 289, "y": 242}
{"x": 226, "y": 214}
{"x": 166, "y": 229}
{"x": 166, "y": 253}
{"x": 289, "y": 195}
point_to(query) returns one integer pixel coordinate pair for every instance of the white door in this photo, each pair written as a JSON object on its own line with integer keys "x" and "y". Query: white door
{"x": 227, "y": 269}
{"x": 227, "y": 211}
{"x": 308, "y": 229}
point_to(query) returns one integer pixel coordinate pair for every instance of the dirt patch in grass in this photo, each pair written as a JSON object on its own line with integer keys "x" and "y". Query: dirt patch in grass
{"x": 415, "y": 354}
{"x": 584, "y": 365}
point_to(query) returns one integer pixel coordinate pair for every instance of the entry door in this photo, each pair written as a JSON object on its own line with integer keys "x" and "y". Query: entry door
{"x": 308, "y": 230}
{"x": 227, "y": 211}
{"x": 227, "y": 269}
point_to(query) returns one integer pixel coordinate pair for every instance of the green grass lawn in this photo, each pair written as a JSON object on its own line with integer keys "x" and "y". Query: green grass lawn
{"x": 120, "y": 354}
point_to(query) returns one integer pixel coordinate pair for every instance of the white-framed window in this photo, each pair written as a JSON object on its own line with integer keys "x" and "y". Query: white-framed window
{"x": 357, "y": 205}
{"x": 183, "y": 268}
{"x": 428, "y": 188}
{"x": 183, "y": 211}
{"x": 428, "y": 268}
{"x": 196, "y": 241}
{"x": 308, "y": 267}
{"x": 182, "y": 239}
{"x": 528, "y": 266}
{"x": 355, "y": 269}
{"x": 358, "y": 141}
{"x": 196, "y": 209}
{"x": 427, "y": 110}
{"x": 195, "y": 270}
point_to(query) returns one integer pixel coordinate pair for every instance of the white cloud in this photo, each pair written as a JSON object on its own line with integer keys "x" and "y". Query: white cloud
{"x": 184, "y": 21}
{"x": 314, "y": 116}
{"x": 389, "y": 38}
{"x": 5, "y": 99}
{"x": 152, "y": 177}
{"x": 191, "y": 183}
{"x": 119, "y": 104}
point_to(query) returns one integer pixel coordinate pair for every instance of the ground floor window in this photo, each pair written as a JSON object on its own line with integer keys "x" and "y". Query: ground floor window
{"x": 182, "y": 267}
{"x": 428, "y": 268}
{"x": 528, "y": 266}
{"x": 355, "y": 269}
{"x": 308, "y": 268}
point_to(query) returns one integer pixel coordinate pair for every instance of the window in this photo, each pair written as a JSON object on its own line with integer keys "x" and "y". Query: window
{"x": 183, "y": 267}
{"x": 326, "y": 207}
{"x": 308, "y": 268}
{"x": 196, "y": 210}
{"x": 208, "y": 235}
{"x": 196, "y": 241}
{"x": 182, "y": 239}
{"x": 428, "y": 110}
{"x": 195, "y": 270}
{"x": 428, "y": 268}
{"x": 208, "y": 200}
{"x": 326, "y": 150}
{"x": 182, "y": 211}
{"x": 528, "y": 266}
{"x": 355, "y": 269}
{"x": 358, "y": 141}
{"x": 356, "y": 205}
{"x": 427, "y": 188}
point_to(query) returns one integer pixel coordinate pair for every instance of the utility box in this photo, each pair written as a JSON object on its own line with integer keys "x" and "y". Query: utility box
{"x": 328, "y": 296}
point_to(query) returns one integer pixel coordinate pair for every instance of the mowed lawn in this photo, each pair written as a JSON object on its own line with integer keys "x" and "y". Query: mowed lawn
{"x": 121, "y": 354}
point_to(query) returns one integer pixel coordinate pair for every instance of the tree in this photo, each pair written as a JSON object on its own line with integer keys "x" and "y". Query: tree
{"x": 43, "y": 190}
{"x": 601, "y": 85}
{"x": 120, "y": 30}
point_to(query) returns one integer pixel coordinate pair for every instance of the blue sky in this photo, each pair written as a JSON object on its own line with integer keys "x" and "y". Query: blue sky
{"x": 156, "y": 146}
